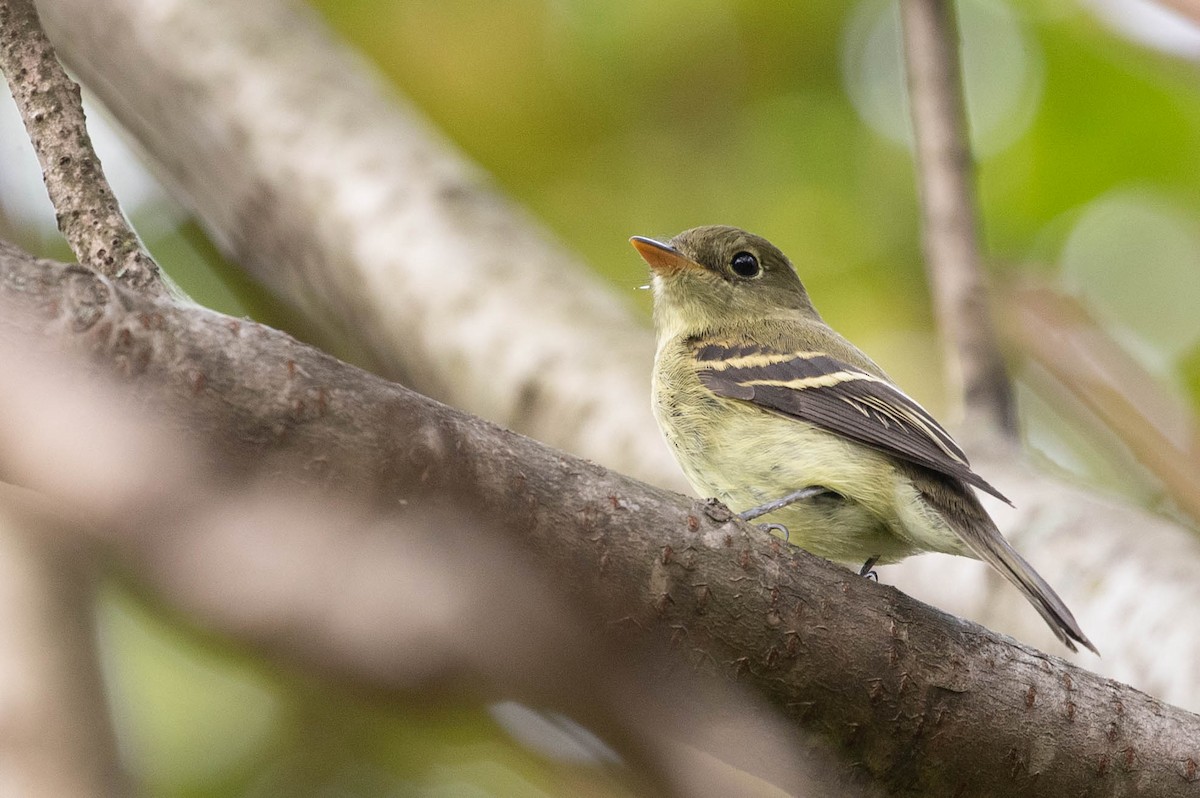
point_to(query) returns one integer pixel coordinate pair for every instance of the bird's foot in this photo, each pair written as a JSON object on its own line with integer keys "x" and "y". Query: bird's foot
{"x": 868, "y": 569}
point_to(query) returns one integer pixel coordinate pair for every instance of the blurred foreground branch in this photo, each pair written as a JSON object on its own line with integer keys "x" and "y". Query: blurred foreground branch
{"x": 1061, "y": 336}
{"x": 432, "y": 602}
{"x": 922, "y": 700}
{"x": 55, "y": 734}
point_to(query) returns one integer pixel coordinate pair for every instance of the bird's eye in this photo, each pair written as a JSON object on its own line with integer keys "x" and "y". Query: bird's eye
{"x": 745, "y": 264}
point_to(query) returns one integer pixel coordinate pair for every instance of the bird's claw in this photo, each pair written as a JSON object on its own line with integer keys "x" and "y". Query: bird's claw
{"x": 772, "y": 529}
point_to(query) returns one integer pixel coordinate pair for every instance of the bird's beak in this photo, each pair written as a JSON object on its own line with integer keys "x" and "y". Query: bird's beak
{"x": 663, "y": 258}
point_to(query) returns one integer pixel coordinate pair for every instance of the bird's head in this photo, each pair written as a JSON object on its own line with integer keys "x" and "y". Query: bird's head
{"x": 717, "y": 276}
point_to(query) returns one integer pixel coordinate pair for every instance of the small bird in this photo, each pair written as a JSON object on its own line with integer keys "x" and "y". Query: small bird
{"x": 771, "y": 411}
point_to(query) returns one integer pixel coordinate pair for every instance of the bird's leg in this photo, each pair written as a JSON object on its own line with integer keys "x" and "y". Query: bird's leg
{"x": 867, "y": 569}
{"x": 779, "y": 504}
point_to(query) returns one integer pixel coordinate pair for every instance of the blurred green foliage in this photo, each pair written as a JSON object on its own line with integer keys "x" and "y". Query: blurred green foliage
{"x": 615, "y": 118}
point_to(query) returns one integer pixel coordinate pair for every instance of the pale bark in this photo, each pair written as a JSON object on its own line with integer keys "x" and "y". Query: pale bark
{"x": 314, "y": 176}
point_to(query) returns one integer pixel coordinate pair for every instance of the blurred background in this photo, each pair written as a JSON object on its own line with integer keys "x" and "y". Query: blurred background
{"x": 620, "y": 118}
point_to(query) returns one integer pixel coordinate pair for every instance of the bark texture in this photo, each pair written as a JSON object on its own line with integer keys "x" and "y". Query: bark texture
{"x": 88, "y": 214}
{"x": 928, "y": 704}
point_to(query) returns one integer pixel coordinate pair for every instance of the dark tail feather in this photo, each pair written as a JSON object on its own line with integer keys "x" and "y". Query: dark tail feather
{"x": 991, "y": 547}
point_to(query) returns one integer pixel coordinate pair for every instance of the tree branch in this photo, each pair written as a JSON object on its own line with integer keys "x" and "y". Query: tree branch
{"x": 925, "y": 702}
{"x": 87, "y": 212}
{"x": 949, "y": 227}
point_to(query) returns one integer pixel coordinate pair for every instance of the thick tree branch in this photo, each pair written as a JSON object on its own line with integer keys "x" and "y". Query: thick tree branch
{"x": 925, "y": 702}
{"x": 949, "y": 226}
{"x": 88, "y": 214}
{"x": 380, "y": 603}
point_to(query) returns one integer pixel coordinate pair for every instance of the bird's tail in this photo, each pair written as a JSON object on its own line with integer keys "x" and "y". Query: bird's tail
{"x": 996, "y": 551}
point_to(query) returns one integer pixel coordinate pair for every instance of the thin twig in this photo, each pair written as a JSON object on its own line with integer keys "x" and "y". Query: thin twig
{"x": 950, "y": 227}
{"x": 49, "y": 101}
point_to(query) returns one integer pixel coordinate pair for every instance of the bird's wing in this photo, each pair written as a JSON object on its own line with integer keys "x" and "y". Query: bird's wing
{"x": 836, "y": 396}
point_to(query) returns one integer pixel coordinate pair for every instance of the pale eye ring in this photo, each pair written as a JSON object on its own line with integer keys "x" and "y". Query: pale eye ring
{"x": 744, "y": 264}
